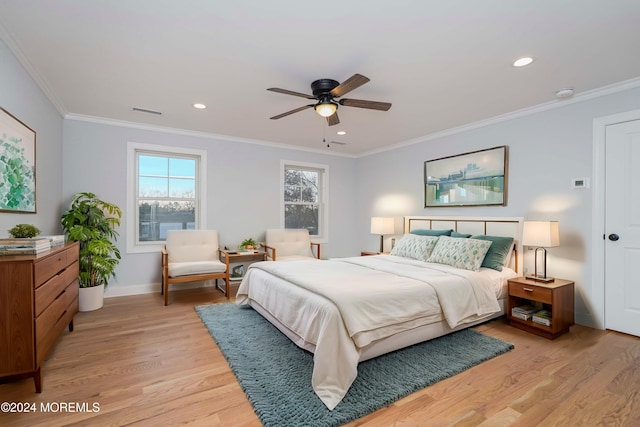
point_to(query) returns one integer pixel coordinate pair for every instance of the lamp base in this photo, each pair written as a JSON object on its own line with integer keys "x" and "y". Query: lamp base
{"x": 540, "y": 278}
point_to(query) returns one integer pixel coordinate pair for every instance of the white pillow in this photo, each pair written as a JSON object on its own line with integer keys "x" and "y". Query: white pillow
{"x": 460, "y": 253}
{"x": 414, "y": 246}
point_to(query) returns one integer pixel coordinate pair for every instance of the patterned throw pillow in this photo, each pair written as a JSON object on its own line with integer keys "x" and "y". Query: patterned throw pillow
{"x": 414, "y": 246}
{"x": 460, "y": 253}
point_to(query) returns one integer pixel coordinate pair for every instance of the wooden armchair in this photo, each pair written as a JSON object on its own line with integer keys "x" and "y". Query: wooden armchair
{"x": 289, "y": 245}
{"x": 191, "y": 256}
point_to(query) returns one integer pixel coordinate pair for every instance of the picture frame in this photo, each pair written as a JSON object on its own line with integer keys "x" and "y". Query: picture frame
{"x": 17, "y": 165}
{"x": 476, "y": 178}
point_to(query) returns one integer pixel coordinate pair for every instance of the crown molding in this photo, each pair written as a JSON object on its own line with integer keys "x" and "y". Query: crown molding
{"x": 198, "y": 134}
{"x": 40, "y": 81}
{"x": 558, "y": 103}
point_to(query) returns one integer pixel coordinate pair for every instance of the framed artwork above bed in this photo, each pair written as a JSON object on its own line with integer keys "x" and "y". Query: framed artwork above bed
{"x": 477, "y": 178}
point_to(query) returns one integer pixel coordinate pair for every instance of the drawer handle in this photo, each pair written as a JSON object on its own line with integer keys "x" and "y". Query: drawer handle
{"x": 527, "y": 289}
{"x": 62, "y": 315}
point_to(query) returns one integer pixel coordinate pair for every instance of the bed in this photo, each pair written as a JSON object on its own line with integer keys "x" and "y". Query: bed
{"x": 348, "y": 310}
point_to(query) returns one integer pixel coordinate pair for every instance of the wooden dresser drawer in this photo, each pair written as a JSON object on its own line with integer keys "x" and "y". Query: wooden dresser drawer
{"x": 49, "y": 291}
{"x": 54, "y": 312}
{"x": 536, "y": 293}
{"x": 50, "y": 266}
{"x": 55, "y": 330}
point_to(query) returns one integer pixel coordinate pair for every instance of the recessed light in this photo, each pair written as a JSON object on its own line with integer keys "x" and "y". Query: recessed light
{"x": 199, "y": 106}
{"x": 522, "y": 62}
{"x": 341, "y": 132}
{"x": 565, "y": 93}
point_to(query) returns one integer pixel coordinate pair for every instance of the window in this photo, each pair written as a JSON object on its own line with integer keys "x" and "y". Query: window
{"x": 165, "y": 188}
{"x": 304, "y": 192}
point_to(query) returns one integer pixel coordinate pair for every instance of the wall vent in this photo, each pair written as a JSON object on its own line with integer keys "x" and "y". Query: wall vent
{"x": 144, "y": 110}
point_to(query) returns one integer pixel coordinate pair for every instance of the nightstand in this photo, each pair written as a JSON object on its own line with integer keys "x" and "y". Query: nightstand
{"x": 233, "y": 257}
{"x": 556, "y": 297}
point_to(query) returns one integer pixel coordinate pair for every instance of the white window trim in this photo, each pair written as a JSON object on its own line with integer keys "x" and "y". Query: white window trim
{"x": 324, "y": 202}
{"x": 130, "y": 215}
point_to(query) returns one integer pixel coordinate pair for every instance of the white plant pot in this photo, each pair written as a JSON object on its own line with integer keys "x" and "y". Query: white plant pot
{"x": 91, "y": 299}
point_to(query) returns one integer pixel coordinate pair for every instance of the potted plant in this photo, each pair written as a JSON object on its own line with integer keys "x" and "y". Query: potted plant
{"x": 24, "y": 231}
{"x": 248, "y": 244}
{"x": 92, "y": 222}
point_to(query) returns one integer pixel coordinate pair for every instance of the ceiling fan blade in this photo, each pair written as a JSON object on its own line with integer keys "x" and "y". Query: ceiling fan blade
{"x": 279, "y": 116}
{"x": 348, "y": 85}
{"x": 333, "y": 119}
{"x": 361, "y": 103}
{"x": 290, "y": 92}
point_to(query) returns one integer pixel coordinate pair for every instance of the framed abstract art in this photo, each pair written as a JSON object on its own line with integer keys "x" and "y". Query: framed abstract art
{"x": 17, "y": 165}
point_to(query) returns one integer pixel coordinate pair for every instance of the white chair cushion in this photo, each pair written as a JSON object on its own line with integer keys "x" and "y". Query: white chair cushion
{"x": 192, "y": 245}
{"x": 195, "y": 267}
{"x": 289, "y": 242}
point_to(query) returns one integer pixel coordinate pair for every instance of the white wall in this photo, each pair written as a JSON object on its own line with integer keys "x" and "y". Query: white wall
{"x": 243, "y": 189}
{"x": 546, "y": 150}
{"x": 21, "y": 97}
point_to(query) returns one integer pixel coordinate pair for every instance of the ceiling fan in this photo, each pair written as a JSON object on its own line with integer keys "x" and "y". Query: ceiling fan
{"x": 325, "y": 91}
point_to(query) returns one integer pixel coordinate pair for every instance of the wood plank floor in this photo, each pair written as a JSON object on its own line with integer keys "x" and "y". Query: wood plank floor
{"x": 148, "y": 365}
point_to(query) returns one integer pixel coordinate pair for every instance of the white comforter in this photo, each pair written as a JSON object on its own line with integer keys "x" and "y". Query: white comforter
{"x": 374, "y": 297}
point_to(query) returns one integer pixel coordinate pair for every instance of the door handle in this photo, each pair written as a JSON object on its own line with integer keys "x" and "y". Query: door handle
{"x": 614, "y": 237}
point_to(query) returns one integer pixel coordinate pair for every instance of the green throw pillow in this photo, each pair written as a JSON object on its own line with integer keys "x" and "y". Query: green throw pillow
{"x": 427, "y": 232}
{"x": 462, "y": 235}
{"x": 498, "y": 251}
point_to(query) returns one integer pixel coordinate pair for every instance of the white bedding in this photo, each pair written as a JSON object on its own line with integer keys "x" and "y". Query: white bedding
{"x": 362, "y": 300}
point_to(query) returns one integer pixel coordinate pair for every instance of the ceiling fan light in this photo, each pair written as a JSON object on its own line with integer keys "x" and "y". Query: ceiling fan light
{"x": 325, "y": 109}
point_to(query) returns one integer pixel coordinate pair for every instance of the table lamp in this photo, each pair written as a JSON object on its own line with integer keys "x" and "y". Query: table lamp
{"x": 541, "y": 235}
{"x": 382, "y": 226}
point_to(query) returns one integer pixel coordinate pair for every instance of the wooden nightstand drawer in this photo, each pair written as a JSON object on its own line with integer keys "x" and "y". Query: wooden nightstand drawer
{"x": 534, "y": 292}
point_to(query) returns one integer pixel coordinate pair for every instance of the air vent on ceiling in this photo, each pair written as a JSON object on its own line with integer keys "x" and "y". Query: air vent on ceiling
{"x": 144, "y": 110}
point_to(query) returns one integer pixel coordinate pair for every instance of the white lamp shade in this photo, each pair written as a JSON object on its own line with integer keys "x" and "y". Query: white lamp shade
{"x": 381, "y": 225}
{"x": 541, "y": 234}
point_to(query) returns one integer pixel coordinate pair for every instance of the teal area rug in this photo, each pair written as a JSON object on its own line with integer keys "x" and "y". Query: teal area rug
{"x": 275, "y": 374}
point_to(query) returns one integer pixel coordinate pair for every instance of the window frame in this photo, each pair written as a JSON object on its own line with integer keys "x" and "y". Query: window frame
{"x": 323, "y": 196}
{"x": 132, "y": 212}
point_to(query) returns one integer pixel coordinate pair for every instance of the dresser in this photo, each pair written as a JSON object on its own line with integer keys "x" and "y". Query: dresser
{"x": 38, "y": 299}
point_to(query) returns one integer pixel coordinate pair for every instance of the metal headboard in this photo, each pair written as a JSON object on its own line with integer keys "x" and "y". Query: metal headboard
{"x": 493, "y": 226}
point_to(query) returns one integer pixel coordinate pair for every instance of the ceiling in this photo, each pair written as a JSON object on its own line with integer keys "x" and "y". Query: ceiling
{"x": 442, "y": 65}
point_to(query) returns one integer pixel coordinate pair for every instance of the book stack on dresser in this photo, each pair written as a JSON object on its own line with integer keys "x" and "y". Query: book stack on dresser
{"x": 24, "y": 246}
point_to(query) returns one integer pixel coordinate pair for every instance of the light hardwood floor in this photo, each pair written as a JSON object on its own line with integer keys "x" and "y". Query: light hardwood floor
{"x": 149, "y": 365}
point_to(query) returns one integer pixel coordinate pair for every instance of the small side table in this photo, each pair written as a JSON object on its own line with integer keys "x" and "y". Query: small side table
{"x": 556, "y": 297}
{"x": 232, "y": 257}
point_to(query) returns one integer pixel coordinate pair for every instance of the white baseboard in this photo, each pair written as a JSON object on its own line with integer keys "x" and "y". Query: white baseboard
{"x": 148, "y": 288}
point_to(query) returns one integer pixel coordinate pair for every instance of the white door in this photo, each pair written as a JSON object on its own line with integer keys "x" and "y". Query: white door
{"x": 622, "y": 227}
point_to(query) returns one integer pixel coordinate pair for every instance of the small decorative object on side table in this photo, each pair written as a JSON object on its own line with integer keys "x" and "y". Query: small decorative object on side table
{"x": 556, "y": 298}
{"x": 233, "y": 257}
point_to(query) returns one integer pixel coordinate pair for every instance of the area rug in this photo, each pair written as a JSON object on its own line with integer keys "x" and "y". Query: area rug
{"x": 275, "y": 374}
